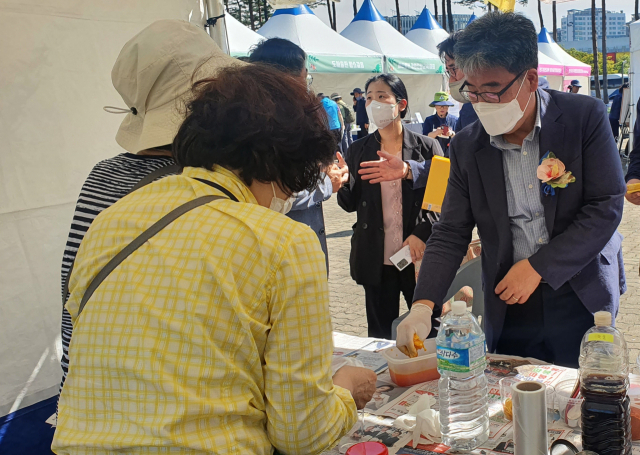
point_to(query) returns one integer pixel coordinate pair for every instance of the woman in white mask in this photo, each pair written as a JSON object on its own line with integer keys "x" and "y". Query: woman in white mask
{"x": 388, "y": 211}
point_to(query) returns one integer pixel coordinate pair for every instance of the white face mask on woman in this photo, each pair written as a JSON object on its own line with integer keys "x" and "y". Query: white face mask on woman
{"x": 381, "y": 114}
{"x": 500, "y": 118}
{"x": 454, "y": 88}
{"x": 280, "y": 205}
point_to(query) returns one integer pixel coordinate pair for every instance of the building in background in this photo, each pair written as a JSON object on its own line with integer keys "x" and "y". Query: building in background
{"x": 575, "y": 31}
{"x": 459, "y": 21}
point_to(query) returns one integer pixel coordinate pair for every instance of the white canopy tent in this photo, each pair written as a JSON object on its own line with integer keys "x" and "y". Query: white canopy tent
{"x": 55, "y": 79}
{"x": 634, "y": 73}
{"x": 573, "y": 68}
{"x": 337, "y": 64}
{"x": 552, "y": 70}
{"x": 426, "y": 32}
{"x": 241, "y": 38}
{"x": 420, "y": 70}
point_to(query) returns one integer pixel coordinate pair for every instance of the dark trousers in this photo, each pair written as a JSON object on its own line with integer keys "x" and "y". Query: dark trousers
{"x": 549, "y": 326}
{"x": 383, "y": 300}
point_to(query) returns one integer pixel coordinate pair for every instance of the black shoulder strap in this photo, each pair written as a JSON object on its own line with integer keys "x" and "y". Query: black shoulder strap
{"x": 139, "y": 241}
{"x": 150, "y": 177}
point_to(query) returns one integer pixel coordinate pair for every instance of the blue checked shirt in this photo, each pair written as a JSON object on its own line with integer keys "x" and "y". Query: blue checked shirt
{"x": 524, "y": 203}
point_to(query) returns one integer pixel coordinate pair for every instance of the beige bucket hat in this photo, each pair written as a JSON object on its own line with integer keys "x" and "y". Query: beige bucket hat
{"x": 154, "y": 74}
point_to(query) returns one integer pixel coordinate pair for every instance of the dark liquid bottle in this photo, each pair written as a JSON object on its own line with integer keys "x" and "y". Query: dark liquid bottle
{"x": 606, "y": 418}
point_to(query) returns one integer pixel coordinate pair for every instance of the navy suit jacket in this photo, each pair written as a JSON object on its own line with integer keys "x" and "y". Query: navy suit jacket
{"x": 634, "y": 157}
{"x": 584, "y": 247}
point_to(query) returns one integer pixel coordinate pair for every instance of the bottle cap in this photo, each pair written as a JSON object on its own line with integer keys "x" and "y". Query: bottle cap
{"x": 459, "y": 307}
{"x": 602, "y": 318}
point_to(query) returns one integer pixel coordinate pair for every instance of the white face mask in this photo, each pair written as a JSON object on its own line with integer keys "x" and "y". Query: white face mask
{"x": 280, "y": 205}
{"x": 381, "y": 114}
{"x": 454, "y": 88}
{"x": 501, "y": 118}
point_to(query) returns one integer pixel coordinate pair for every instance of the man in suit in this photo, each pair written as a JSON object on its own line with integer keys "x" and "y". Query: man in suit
{"x": 633, "y": 173}
{"x": 551, "y": 257}
{"x": 359, "y": 106}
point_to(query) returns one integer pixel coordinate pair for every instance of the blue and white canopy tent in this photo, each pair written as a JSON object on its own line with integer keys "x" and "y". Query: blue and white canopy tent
{"x": 427, "y": 32}
{"x": 420, "y": 70}
{"x": 573, "y": 68}
{"x": 241, "y": 38}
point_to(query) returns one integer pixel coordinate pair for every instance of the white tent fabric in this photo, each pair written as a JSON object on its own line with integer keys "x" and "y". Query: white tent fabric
{"x": 241, "y": 38}
{"x": 55, "y": 78}
{"x": 369, "y": 29}
{"x": 328, "y": 52}
{"x": 426, "y": 32}
{"x": 634, "y": 71}
{"x": 573, "y": 68}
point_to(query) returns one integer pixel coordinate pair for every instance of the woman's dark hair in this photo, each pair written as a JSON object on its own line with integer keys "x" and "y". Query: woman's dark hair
{"x": 395, "y": 84}
{"x": 286, "y": 55}
{"x": 260, "y": 122}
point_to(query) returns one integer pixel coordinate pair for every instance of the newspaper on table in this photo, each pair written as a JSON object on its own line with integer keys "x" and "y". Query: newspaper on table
{"x": 366, "y": 350}
{"x": 391, "y": 401}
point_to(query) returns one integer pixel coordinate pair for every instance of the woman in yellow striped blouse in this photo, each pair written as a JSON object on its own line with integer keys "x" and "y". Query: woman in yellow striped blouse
{"x": 215, "y": 335}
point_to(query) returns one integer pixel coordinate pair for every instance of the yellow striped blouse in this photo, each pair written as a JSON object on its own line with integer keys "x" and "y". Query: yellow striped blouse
{"x": 213, "y": 337}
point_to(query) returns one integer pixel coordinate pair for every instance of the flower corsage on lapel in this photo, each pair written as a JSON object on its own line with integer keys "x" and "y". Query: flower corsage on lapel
{"x": 553, "y": 174}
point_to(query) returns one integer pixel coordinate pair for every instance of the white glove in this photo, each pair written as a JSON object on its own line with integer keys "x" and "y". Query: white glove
{"x": 418, "y": 321}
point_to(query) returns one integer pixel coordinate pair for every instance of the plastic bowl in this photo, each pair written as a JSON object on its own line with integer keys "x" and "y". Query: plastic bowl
{"x": 405, "y": 371}
{"x": 569, "y": 408}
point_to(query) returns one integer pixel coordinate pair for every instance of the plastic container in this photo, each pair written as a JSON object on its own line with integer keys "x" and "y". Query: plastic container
{"x": 568, "y": 407}
{"x": 604, "y": 382}
{"x": 461, "y": 352}
{"x": 405, "y": 371}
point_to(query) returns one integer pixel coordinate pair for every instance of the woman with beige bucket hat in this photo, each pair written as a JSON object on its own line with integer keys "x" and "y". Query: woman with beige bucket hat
{"x": 200, "y": 312}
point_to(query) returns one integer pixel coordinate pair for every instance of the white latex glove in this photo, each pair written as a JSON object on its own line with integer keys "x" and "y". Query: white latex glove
{"x": 418, "y": 321}
{"x": 422, "y": 420}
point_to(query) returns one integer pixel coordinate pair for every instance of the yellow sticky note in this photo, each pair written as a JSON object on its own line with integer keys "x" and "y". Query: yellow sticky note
{"x": 608, "y": 337}
{"x": 436, "y": 184}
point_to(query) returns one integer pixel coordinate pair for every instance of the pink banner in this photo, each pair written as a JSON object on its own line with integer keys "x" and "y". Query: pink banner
{"x": 577, "y": 71}
{"x": 549, "y": 70}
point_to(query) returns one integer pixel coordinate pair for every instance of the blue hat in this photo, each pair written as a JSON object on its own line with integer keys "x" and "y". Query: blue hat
{"x": 575, "y": 83}
{"x": 356, "y": 90}
{"x": 441, "y": 99}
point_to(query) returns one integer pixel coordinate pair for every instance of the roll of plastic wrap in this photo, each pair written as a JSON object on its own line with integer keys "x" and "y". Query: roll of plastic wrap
{"x": 529, "y": 418}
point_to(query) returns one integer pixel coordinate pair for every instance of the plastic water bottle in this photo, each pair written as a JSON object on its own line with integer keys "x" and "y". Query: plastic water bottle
{"x": 461, "y": 348}
{"x": 604, "y": 381}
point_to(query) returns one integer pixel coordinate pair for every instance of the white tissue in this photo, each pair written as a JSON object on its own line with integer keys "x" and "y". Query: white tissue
{"x": 423, "y": 420}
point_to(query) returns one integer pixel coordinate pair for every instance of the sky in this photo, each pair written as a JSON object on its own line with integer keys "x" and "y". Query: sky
{"x": 344, "y": 9}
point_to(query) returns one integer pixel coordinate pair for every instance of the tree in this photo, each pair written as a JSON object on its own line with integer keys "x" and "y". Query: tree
{"x": 594, "y": 41}
{"x": 450, "y": 14}
{"x": 251, "y": 18}
{"x": 335, "y": 20}
{"x": 252, "y": 13}
{"x": 555, "y": 21}
{"x": 587, "y": 57}
{"x": 435, "y": 8}
{"x": 398, "y": 15}
{"x": 331, "y": 19}
{"x": 605, "y": 85}
{"x": 355, "y": 8}
{"x": 540, "y": 14}
{"x": 444, "y": 16}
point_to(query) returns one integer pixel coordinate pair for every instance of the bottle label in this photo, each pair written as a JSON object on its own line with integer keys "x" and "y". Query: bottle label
{"x": 462, "y": 360}
{"x": 608, "y": 337}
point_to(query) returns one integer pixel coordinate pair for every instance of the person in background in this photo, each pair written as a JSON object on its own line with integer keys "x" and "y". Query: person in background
{"x": 616, "y": 107}
{"x": 574, "y": 87}
{"x": 307, "y": 206}
{"x": 551, "y": 256}
{"x": 349, "y": 120}
{"x": 215, "y": 335}
{"x": 633, "y": 173}
{"x": 336, "y": 122}
{"x": 145, "y": 134}
{"x": 543, "y": 83}
{"x": 456, "y": 78}
{"x": 388, "y": 209}
{"x": 434, "y": 126}
{"x": 362, "y": 119}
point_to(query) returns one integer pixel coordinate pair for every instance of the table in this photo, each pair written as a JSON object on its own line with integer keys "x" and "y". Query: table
{"x": 392, "y": 401}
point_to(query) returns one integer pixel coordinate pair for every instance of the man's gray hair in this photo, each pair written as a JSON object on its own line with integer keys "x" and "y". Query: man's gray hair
{"x": 497, "y": 40}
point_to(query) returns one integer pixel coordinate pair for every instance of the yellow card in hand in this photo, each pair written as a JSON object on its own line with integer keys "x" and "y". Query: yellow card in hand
{"x": 633, "y": 187}
{"x": 436, "y": 184}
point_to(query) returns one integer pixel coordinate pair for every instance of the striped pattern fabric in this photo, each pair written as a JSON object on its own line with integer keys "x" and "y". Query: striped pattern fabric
{"x": 213, "y": 337}
{"x": 524, "y": 198}
{"x": 109, "y": 181}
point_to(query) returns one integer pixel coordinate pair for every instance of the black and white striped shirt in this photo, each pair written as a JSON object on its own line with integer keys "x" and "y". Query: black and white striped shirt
{"x": 109, "y": 181}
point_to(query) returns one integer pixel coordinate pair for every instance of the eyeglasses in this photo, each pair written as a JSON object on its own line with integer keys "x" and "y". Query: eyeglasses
{"x": 451, "y": 71}
{"x": 487, "y": 97}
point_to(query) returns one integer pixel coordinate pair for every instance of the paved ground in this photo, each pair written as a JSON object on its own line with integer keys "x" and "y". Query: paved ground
{"x": 347, "y": 298}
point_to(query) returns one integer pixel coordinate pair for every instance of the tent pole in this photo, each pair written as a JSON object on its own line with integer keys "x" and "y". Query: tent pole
{"x": 218, "y": 32}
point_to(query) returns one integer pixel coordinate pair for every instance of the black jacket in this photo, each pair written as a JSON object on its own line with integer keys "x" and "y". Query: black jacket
{"x": 361, "y": 112}
{"x": 367, "y": 243}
